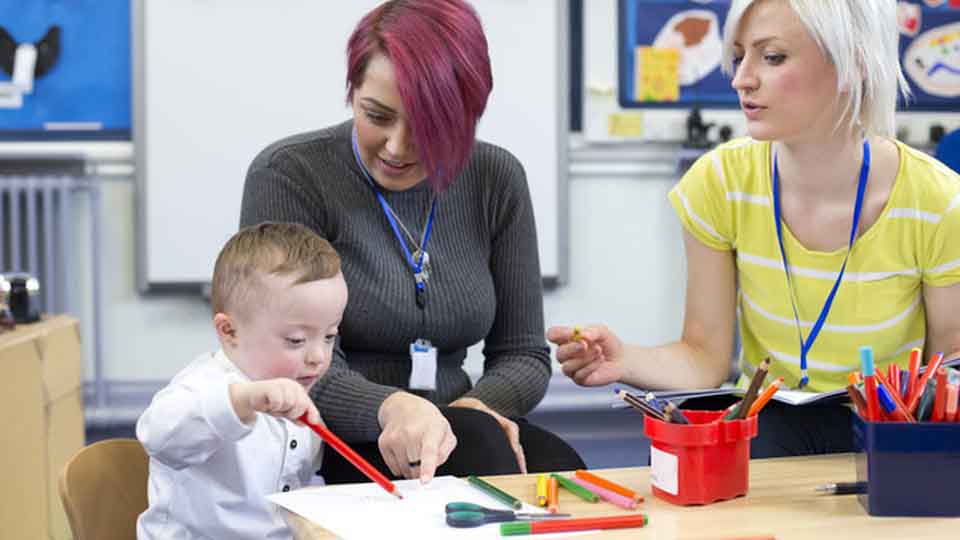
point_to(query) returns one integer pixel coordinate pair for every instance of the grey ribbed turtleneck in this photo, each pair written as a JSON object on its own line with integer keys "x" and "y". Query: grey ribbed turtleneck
{"x": 484, "y": 279}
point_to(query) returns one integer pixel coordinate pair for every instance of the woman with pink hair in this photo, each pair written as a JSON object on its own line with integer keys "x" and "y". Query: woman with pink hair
{"x": 437, "y": 237}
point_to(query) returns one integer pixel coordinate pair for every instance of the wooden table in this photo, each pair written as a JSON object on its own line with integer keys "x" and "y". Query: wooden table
{"x": 781, "y": 503}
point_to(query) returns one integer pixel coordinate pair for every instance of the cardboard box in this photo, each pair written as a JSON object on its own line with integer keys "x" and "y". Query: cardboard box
{"x": 41, "y": 411}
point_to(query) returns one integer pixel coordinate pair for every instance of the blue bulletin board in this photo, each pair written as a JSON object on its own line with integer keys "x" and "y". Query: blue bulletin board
{"x": 86, "y": 93}
{"x": 670, "y": 51}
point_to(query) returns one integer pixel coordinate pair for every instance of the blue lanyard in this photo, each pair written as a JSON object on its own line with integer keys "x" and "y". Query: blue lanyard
{"x": 416, "y": 265}
{"x": 807, "y": 344}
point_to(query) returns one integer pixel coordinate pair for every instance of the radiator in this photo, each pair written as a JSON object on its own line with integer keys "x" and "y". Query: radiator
{"x": 36, "y": 218}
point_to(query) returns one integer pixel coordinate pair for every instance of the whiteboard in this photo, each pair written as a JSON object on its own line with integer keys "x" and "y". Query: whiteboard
{"x": 216, "y": 81}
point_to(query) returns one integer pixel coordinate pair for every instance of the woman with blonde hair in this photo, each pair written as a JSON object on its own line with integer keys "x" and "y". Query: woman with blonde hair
{"x": 817, "y": 234}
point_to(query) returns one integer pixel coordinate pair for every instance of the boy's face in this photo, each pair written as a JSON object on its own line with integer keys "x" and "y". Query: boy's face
{"x": 290, "y": 334}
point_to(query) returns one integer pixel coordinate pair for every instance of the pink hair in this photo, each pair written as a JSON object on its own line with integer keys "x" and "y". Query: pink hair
{"x": 439, "y": 56}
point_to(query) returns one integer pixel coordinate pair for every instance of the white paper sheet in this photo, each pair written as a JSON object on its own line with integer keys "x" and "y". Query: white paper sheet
{"x": 363, "y": 511}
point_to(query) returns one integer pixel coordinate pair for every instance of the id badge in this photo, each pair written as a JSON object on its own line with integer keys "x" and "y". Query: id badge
{"x": 423, "y": 365}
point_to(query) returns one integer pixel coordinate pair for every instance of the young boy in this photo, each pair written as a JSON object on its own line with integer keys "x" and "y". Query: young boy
{"x": 223, "y": 434}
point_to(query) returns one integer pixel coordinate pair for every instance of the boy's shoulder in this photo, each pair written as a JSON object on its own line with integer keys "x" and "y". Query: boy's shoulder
{"x": 206, "y": 368}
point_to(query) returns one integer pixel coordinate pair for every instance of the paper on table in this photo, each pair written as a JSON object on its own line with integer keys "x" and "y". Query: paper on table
{"x": 362, "y": 511}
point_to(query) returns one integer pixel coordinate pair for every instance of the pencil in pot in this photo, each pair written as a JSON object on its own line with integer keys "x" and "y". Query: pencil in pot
{"x": 354, "y": 458}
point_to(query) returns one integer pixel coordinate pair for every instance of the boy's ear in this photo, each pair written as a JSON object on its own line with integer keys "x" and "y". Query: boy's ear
{"x": 226, "y": 328}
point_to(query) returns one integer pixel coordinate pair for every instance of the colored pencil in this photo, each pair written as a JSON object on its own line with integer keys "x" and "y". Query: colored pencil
{"x": 765, "y": 397}
{"x": 354, "y": 458}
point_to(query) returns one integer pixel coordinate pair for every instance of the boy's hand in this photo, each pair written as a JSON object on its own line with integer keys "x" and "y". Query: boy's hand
{"x": 283, "y": 398}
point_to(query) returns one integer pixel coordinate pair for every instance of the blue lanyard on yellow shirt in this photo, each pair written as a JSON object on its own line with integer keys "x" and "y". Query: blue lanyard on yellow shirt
{"x": 807, "y": 344}
{"x": 419, "y": 275}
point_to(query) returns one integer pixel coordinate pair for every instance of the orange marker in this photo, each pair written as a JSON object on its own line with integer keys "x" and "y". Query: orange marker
{"x": 553, "y": 495}
{"x": 607, "y": 484}
{"x": 765, "y": 397}
{"x": 854, "y": 378}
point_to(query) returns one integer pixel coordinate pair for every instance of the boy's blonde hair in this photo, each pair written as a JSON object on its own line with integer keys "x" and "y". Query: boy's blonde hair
{"x": 860, "y": 38}
{"x": 268, "y": 248}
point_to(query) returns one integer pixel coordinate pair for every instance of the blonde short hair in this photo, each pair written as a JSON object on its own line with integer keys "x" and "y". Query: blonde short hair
{"x": 268, "y": 248}
{"x": 860, "y": 38}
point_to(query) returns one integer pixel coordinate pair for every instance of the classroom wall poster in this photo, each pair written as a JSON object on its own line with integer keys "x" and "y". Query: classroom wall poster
{"x": 670, "y": 53}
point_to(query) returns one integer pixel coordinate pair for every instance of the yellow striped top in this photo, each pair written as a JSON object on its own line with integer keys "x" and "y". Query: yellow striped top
{"x": 725, "y": 201}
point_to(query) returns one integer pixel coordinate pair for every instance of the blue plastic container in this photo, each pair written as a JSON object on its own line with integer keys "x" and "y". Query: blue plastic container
{"x": 910, "y": 469}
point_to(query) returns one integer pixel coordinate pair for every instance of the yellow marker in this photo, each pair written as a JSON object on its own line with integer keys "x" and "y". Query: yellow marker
{"x": 577, "y": 334}
{"x": 541, "y": 490}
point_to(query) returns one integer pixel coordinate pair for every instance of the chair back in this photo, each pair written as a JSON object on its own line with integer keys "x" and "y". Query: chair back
{"x": 104, "y": 489}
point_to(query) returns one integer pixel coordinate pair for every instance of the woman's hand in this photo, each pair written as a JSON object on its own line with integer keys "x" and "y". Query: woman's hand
{"x": 591, "y": 357}
{"x": 416, "y": 438}
{"x": 509, "y": 427}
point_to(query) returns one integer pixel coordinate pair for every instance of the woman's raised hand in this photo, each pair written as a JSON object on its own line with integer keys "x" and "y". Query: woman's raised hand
{"x": 591, "y": 356}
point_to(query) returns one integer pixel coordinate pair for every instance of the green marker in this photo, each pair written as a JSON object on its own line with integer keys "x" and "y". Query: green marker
{"x": 576, "y": 488}
{"x": 495, "y": 492}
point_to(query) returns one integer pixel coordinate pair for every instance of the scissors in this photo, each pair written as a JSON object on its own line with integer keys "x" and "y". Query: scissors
{"x": 465, "y": 514}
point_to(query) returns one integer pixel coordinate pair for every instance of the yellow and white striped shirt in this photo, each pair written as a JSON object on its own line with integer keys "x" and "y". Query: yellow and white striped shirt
{"x": 725, "y": 201}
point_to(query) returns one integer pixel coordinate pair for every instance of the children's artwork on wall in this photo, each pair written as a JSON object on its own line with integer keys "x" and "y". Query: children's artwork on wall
{"x": 670, "y": 54}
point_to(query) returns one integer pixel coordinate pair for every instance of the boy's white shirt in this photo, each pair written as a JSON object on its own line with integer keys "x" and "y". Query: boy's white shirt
{"x": 209, "y": 472}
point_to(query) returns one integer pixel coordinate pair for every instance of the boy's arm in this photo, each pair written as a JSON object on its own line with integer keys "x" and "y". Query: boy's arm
{"x": 185, "y": 425}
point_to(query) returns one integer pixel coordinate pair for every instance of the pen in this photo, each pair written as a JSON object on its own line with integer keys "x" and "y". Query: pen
{"x": 843, "y": 488}
{"x": 575, "y": 488}
{"x": 577, "y": 524}
{"x": 608, "y": 484}
{"x": 354, "y": 458}
{"x": 495, "y": 492}
{"x": 904, "y": 385}
{"x": 541, "y": 490}
{"x": 870, "y": 384}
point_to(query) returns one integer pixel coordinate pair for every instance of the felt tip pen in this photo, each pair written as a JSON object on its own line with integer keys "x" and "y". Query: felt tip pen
{"x": 575, "y": 488}
{"x": 495, "y": 492}
{"x": 576, "y": 524}
{"x": 870, "y": 384}
{"x": 541, "y": 490}
{"x": 628, "y": 503}
{"x": 914, "y": 372}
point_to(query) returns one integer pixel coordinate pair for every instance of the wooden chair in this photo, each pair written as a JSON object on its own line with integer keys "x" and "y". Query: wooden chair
{"x": 104, "y": 489}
